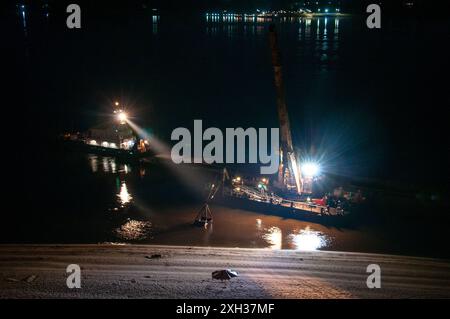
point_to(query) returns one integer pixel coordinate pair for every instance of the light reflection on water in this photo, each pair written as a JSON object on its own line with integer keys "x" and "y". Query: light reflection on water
{"x": 308, "y": 239}
{"x": 155, "y": 24}
{"x": 173, "y": 224}
{"x": 274, "y": 237}
{"x": 310, "y": 30}
{"x": 107, "y": 164}
{"x": 134, "y": 230}
{"x": 93, "y": 161}
{"x": 304, "y": 239}
{"x": 124, "y": 196}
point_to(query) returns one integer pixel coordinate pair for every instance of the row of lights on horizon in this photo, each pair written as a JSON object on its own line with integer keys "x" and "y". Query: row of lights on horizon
{"x": 263, "y": 13}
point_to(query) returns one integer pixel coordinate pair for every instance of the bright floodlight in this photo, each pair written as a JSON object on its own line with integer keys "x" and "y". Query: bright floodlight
{"x": 122, "y": 117}
{"x": 310, "y": 169}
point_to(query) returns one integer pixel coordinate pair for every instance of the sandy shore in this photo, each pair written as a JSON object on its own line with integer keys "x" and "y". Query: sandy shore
{"x": 112, "y": 271}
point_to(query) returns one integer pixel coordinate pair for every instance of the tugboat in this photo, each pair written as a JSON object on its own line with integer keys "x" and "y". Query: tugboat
{"x": 114, "y": 138}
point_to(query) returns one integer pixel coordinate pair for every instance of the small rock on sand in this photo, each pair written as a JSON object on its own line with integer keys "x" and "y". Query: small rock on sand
{"x": 225, "y": 274}
{"x": 154, "y": 256}
{"x": 30, "y": 278}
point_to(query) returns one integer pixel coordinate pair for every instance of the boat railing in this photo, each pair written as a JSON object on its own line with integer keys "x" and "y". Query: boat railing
{"x": 270, "y": 198}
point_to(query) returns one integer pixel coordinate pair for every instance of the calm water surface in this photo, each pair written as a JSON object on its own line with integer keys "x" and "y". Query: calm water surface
{"x": 96, "y": 199}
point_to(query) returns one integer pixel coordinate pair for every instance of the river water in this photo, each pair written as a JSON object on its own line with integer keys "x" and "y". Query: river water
{"x": 96, "y": 199}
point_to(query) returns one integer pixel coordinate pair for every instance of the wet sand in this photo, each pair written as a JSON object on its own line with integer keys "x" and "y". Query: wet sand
{"x": 114, "y": 271}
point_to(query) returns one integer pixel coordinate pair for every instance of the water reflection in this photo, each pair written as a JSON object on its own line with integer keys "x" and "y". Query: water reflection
{"x": 317, "y": 36}
{"x": 308, "y": 239}
{"x": 21, "y": 10}
{"x": 45, "y": 10}
{"x": 274, "y": 237}
{"x": 93, "y": 161}
{"x": 245, "y": 229}
{"x": 304, "y": 239}
{"x": 124, "y": 196}
{"x": 318, "y": 30}
{"x": 336, "y": 28}
{"x": 258, "y": 223}
{"x": 207, "y": 234}
{"x": 155, "y": 24}
{"x": 125, "y": 168}
{"x": 107, "y": 165}
{"x": 134, "y": 230}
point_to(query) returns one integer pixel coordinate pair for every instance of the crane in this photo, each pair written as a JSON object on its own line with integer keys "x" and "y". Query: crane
{"x": 289, "y": 173}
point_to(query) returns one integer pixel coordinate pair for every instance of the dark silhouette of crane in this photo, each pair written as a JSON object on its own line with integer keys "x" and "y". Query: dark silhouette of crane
{"x": 289, "y": 173}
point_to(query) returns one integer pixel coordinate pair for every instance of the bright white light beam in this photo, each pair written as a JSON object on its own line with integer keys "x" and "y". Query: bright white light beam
{"x": 122, "y": 117}
{"x": 310, "y": 169}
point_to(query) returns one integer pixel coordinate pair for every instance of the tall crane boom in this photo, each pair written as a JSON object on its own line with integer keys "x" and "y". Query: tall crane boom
{"x": 288, "y": 172}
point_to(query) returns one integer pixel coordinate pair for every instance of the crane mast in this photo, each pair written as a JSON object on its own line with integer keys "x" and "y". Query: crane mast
{"x": 289, "y": 174}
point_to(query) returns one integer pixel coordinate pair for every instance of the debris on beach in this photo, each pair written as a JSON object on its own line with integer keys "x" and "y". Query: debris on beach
{"x": 12, "y": 279}
{"x": 30, "y": 278}
{"x": 154, "y": 256}
{"x": 225, "y": 274}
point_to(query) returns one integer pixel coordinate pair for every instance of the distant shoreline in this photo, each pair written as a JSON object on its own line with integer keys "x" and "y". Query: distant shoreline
{"x": 281, "y": 16}
{"x": 148, "y": 271}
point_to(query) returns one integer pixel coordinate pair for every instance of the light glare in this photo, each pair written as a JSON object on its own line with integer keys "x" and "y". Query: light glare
{"x": 310, "y": 169}
{"x": 122, "y": 116}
